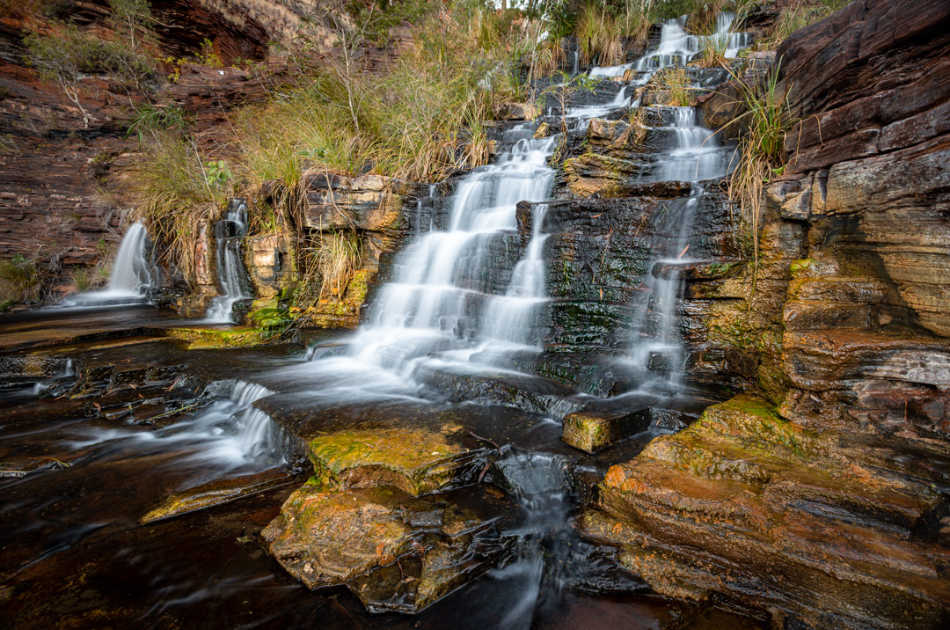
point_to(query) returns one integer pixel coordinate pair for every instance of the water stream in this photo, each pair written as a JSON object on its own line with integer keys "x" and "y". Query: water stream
{"x": 229, "y": 236}
{"x": 131, "y": 277}
{"x": 467, "y": 296}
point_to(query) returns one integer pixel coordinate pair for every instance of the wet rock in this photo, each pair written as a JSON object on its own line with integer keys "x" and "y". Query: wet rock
{"x": 416, "y": 461}
{"x": 817, "y": 526}
{"x": 394, "y": 552}
{"x": 367, "y": 202}
{"x": 214, "y": 493}
{"x": 592, "y": 432}
{"x": 270, "y": 262}
{"x": 517, "y": 111}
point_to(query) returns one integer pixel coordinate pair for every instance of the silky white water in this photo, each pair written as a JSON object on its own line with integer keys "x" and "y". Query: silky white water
{"x": 677, "y": 47}
{"x": 229, "y": 234}
{"x": 131, "y": 278}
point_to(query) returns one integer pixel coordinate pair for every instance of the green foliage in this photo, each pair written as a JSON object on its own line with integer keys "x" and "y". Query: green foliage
{"x": 207, "y": 55}
{"x": 20, "y": 280}
{"x": 150, "y": 118}
{"x": 764, "y": 126}
{"x": 407, "y": 120}
{"x": 67, "y": 55}
{"x": 132, "y": 16}
{"x": 176, "y": 189}
{"x": 272, "y": 321}
{"x": 802, "y": 13}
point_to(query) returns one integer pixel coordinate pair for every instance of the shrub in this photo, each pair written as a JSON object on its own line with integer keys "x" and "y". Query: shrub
{"x": 177, "y": 187}
{"x": 20, "y": 280}
{"x": 65, "y": 56}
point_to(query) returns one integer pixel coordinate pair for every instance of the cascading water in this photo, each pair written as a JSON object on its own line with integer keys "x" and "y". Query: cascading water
{"x": 132, "y": 274}
{"x": 231, "y": 433}
{"x": 677, "y": 47}
{"x": 229, "y": 234}
{"x": 695, "y": 156}
{"x": 443, "y": 304}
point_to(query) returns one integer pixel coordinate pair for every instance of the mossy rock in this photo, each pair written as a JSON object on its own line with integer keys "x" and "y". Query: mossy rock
{"x": 416, "y": 461}
{"x": 216, "y": 338}
{"x": 592, "y": 432}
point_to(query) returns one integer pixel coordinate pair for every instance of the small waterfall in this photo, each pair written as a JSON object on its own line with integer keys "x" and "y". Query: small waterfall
{"x": 510, "y": 318}
{"x": 132, "y": 274}
{"x": 443, "y": 303}
{"x": 541, "y": 483}
{"x": 231, "y": 433}
{"x": 696, "y": 155}
{"x": 229, "y": 236}
{"x": 677, "y": 47}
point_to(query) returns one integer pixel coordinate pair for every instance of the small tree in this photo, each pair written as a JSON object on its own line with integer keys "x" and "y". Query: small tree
{"x": 131, "y": 14}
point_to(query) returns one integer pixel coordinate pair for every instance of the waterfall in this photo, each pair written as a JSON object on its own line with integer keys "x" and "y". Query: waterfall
{"x": 229, "y": 235}
{"x": 131, "y": 278}
{"x": 677, "y": 47}
{"x": 444, "y": 302}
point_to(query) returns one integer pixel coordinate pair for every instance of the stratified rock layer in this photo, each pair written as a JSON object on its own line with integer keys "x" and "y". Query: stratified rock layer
{"x": 828, "y": 528}
{"x": 825, "y": 502}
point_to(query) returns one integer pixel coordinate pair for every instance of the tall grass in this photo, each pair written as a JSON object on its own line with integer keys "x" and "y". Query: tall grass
{"x": 177, "y": 188}
{"x": 327, "y": 264}
{"x": 801, "y": 13}
{"x": 761, "y": 151}
{"x": 407, "y": 121}
{"x": 20, "y": 281}
{"x": 599, "y": 36}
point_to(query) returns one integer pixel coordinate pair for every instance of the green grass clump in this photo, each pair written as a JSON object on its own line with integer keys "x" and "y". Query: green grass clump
{"x": 761, "y": 151}
{"x": 177, "y": 187}
{"x": 328, "y": 264}
{"x": 599, "y": 36}
{"x": 20, "y": 280}
{"x": 800, "y": 14}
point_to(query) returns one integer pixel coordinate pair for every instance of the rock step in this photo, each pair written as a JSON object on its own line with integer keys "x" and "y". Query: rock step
{"x": 815, "y": 524}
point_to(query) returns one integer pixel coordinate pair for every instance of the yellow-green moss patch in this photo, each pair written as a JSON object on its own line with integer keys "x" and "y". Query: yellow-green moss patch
{"x": 414, "y": 460}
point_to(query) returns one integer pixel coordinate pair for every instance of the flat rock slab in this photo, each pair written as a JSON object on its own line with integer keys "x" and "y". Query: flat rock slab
{"x": 416, "y": 461}
{"x": 215, "y": 493}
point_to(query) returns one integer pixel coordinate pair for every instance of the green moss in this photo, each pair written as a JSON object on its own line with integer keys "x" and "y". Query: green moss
{"x": 800, "y": 265}
{"x": 414, "y": 460}
{"x": 214, "y": 338}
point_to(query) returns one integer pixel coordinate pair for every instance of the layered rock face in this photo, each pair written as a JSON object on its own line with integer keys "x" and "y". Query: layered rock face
{"x": 826, "y": 501}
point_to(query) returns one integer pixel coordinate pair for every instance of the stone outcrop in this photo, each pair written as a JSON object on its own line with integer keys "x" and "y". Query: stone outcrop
{"x": 824, "y": 528}
{"x": 372, "y": 211}
{"x": 825, "y": 504}
{"x": 362, "y": 521}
